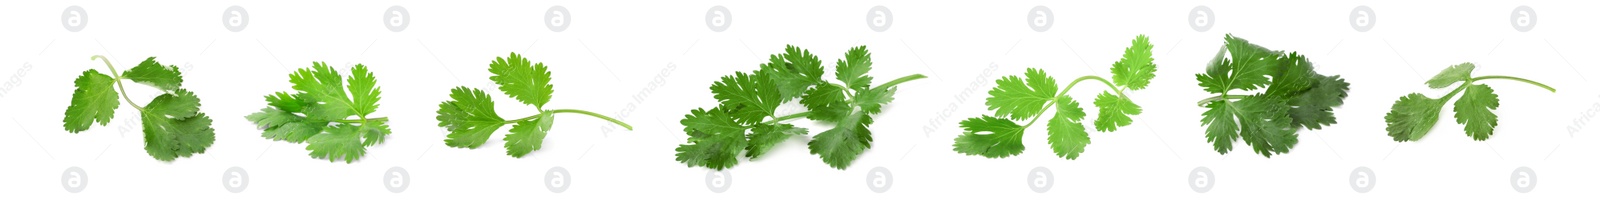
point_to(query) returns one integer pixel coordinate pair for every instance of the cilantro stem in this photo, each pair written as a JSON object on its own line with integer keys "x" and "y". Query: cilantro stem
{"x": 363, "y": 121}
{"x": 1535, "y": 83}
{"x": 900, "y": 80}
{"x": 117, "y": 78}
{"x": 592, "y": 114}
{"x": 1203, "y": 102}
{"x": 788, "y": 117}
{"x": 1098, "y": 78}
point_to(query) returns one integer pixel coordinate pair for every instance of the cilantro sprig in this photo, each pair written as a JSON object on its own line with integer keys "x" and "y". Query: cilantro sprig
{"x": 746, "y": 120}
{"x": 470, "y": 115}
{"x": 1027, "y": 98}
{"x": 173, "y": 125}
{"x": 1414, "y": 115}
{"x": 319, "y": 111}
{"x": 1295, "y": 96}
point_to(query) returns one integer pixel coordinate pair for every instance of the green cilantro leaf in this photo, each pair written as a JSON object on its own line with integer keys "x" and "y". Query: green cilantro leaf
{"x": 172, "y": 123}
{"x": 1028, "y": 98}
{"x": 1294, "y": 96}
{"x": 470, "y": 117}
{"x": 94, "y": 100}
{"x": 316, "y": 113}
{"x": 1414, "y": 115}
{"x": 746, "y": 117}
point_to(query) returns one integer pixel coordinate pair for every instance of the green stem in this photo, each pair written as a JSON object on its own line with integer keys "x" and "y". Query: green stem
{"x": 1453, "y": 93}
{"x": 1535, "y": 83}
{"x": 1098, "y": 78}
{"x": 379, "y": 119}
{"x": 788, "y": 117}
{"x": 900, "y": 80}
{"x": 1203, "y": 102}
{"x": 117, "y": 78}
{"x": 592, "y": 114}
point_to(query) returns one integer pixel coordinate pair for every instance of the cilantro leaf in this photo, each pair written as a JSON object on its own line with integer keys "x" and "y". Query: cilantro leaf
{"x": 316, "y": 113}
{"x": 529, "y": 84}
{"x": 1028, "y": 98}
{"x": 763, "y": 137}
{"x": 1067, "y": 134}
{"x": 1294, "y": 96}
{"x": 528, "y": 136}
{"x": 154, "y": 74}
{"x": 92, "y": 101}
{"x": 172, "y": 124}
{"x": 1114, "y": 111}
{"x": 1017, "y": 99}
{"x": 470, "y": 117}
{"x": 1414, "y": 115}
{"x": 1475, "y": 110}
{"x": 1451, "y": 75}
{"x": 852, "y": 70}
{"x": 839, "y": 146}
{"x": 1137, "y": 67}
{"x": 746, "y": 117}
{"x": 1004, "y": 138}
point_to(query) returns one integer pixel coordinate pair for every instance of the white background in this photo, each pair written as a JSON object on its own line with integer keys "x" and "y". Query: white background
{"x": 617, "y": 54}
